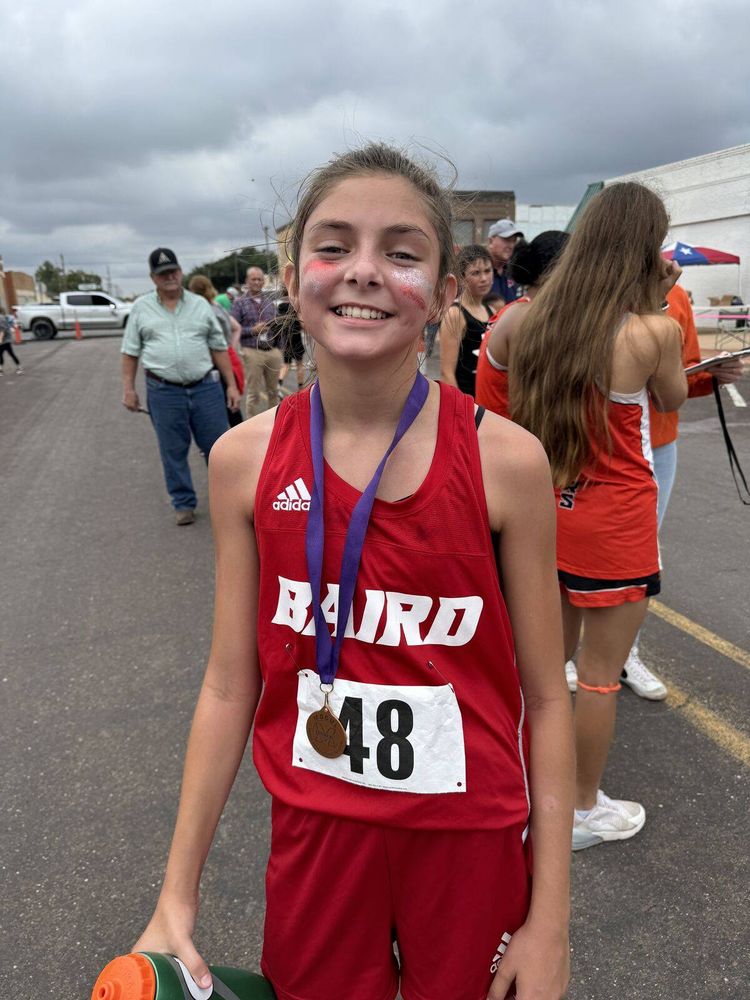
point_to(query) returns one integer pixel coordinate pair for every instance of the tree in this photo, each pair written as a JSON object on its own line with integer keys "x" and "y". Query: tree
{"x": 49, "y": 276}
{"x": 55, "y": 281}
{"x": 230, "y": 270}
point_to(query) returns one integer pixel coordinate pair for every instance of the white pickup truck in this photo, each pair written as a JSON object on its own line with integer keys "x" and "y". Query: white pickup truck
{"x": 92, "y": 310}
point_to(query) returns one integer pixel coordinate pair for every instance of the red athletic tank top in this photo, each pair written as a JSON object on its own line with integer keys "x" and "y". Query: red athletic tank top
{"x": 427, "y": 687}
{"x": 492, "y": 390}
{"x": 606, "y": 522}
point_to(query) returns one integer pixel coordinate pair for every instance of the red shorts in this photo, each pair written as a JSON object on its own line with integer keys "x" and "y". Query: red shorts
{"x": 339, "y": 893}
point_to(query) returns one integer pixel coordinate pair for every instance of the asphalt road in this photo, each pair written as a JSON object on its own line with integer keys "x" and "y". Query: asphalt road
{"x": 105, "y": 627}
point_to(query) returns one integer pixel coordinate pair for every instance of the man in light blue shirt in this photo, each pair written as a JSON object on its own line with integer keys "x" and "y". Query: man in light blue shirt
{"x": 177, "y": 337}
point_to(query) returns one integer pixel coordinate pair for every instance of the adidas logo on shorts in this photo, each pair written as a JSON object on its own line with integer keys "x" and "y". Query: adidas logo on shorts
{"x": 501, "y": 949}
{"x": 294, "y": 497}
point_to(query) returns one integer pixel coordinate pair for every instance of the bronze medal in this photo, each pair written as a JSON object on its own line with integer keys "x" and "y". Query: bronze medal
{"x": 325, "y": 733}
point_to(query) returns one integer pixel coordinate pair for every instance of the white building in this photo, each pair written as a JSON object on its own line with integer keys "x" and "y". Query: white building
{"x": 536, "y": 219}
{"x": 708, "y": 200}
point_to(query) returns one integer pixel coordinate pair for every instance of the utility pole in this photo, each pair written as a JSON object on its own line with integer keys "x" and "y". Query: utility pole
{"x": 109, "y": 280}
{"x": 65, "y": 277}
{"x": 268, "y": 259}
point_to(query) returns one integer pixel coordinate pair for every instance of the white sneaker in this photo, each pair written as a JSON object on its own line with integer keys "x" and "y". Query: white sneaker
{"x": 640, "y": 679}
{"x": 610, "y": 819}
{"x": 571, "y": 676}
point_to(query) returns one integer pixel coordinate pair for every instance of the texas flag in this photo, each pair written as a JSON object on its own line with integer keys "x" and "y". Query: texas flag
{"x": 685, "y": 255}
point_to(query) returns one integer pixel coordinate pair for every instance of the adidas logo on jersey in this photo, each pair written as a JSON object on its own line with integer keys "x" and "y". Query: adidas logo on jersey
{"x": 501, "y": 949}
{"x": 294, "y": 497}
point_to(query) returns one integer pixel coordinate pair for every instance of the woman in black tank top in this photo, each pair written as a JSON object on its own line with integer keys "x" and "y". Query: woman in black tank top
{"x": 465, "y": 323}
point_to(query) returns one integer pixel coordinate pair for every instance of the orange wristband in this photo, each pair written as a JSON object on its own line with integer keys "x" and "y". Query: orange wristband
{"x": 608, "y": 689}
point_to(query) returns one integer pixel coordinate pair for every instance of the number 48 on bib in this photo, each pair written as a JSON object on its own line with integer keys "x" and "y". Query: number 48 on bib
{"x": 404, "y": 739}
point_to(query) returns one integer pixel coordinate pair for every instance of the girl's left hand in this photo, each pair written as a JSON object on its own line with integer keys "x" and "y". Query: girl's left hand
{"x": 537, "y": 964}
{"x": 669, "y": 272}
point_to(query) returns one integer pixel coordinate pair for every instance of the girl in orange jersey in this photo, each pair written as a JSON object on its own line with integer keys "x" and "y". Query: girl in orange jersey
{"x": 528, "y": 265}
{"x": 636, "y": 675}
{"x": 396, "y": 694}
{"x": 595, "y": 346}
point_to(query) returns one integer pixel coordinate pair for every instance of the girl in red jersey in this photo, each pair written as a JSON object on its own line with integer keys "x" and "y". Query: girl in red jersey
{"x": 594, "y": 347}
{"x": 527, "y": 266}
{"x": 410, "y": 749}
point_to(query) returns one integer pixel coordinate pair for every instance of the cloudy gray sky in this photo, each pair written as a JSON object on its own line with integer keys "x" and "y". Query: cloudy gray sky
{"x": 126, "y": 126}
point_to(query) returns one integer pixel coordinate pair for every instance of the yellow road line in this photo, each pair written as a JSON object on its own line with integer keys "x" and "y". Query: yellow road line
{"x": 703, "y": 635}
{"x": 710, "y": 724}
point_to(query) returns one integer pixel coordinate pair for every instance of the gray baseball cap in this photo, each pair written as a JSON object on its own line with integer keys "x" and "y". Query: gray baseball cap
{"x": 505, "y": 228}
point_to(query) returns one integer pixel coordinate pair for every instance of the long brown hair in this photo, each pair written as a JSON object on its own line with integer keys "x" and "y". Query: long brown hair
{"x": 201, "y": 284}
{"x": 610, "y": 267}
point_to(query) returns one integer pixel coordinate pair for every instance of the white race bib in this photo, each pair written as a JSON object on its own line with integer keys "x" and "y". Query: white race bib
{"x": 400, "y": 739}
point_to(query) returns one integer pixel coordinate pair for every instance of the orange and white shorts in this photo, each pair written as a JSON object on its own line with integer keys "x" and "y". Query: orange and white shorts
{"x": 590, "y": 592}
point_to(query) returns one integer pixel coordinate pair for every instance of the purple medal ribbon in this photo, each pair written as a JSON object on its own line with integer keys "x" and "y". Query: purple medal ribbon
{"x": 327, "y": 649}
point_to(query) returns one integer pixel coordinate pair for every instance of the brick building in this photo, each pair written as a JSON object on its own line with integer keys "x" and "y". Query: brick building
{"x": 475, "y": 211}
{"x": 16, "y": 288}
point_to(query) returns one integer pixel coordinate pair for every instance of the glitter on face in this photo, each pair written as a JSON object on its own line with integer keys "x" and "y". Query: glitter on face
{"x": 414, "y": 285}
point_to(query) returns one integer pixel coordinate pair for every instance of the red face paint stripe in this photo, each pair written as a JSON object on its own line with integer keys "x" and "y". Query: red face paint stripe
{"x": 415, "y": 297}
{"x": 319, "y": 265}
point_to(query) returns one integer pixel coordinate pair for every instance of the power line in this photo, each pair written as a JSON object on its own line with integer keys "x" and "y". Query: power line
{"x": 126, "y": 261}
{"x": 139, "y": 262}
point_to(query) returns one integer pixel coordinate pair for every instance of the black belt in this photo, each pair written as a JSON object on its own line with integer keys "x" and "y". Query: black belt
{"x": 180, "y": 385}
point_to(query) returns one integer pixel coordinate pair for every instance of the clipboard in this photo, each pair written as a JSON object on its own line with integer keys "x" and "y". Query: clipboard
{"x": 710, "y": 363}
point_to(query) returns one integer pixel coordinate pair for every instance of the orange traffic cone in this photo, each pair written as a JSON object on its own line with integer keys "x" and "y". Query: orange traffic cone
{"x": 17, "y": 332}
{"x": 79, "y": 332}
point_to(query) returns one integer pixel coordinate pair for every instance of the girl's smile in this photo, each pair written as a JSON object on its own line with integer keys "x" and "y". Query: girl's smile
{"x": 352, "y": 310}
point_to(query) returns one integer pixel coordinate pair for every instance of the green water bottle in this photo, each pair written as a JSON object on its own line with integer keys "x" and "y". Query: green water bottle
{"x": 147, "y": 975}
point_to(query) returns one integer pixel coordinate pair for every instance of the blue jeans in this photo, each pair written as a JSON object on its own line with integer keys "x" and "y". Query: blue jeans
{"x": 665, "y": 467}
{"x": 177, "y": 415}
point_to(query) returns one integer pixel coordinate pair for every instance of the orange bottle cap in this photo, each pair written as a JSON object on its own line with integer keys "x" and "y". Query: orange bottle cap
{"x": 128, "y": 977}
